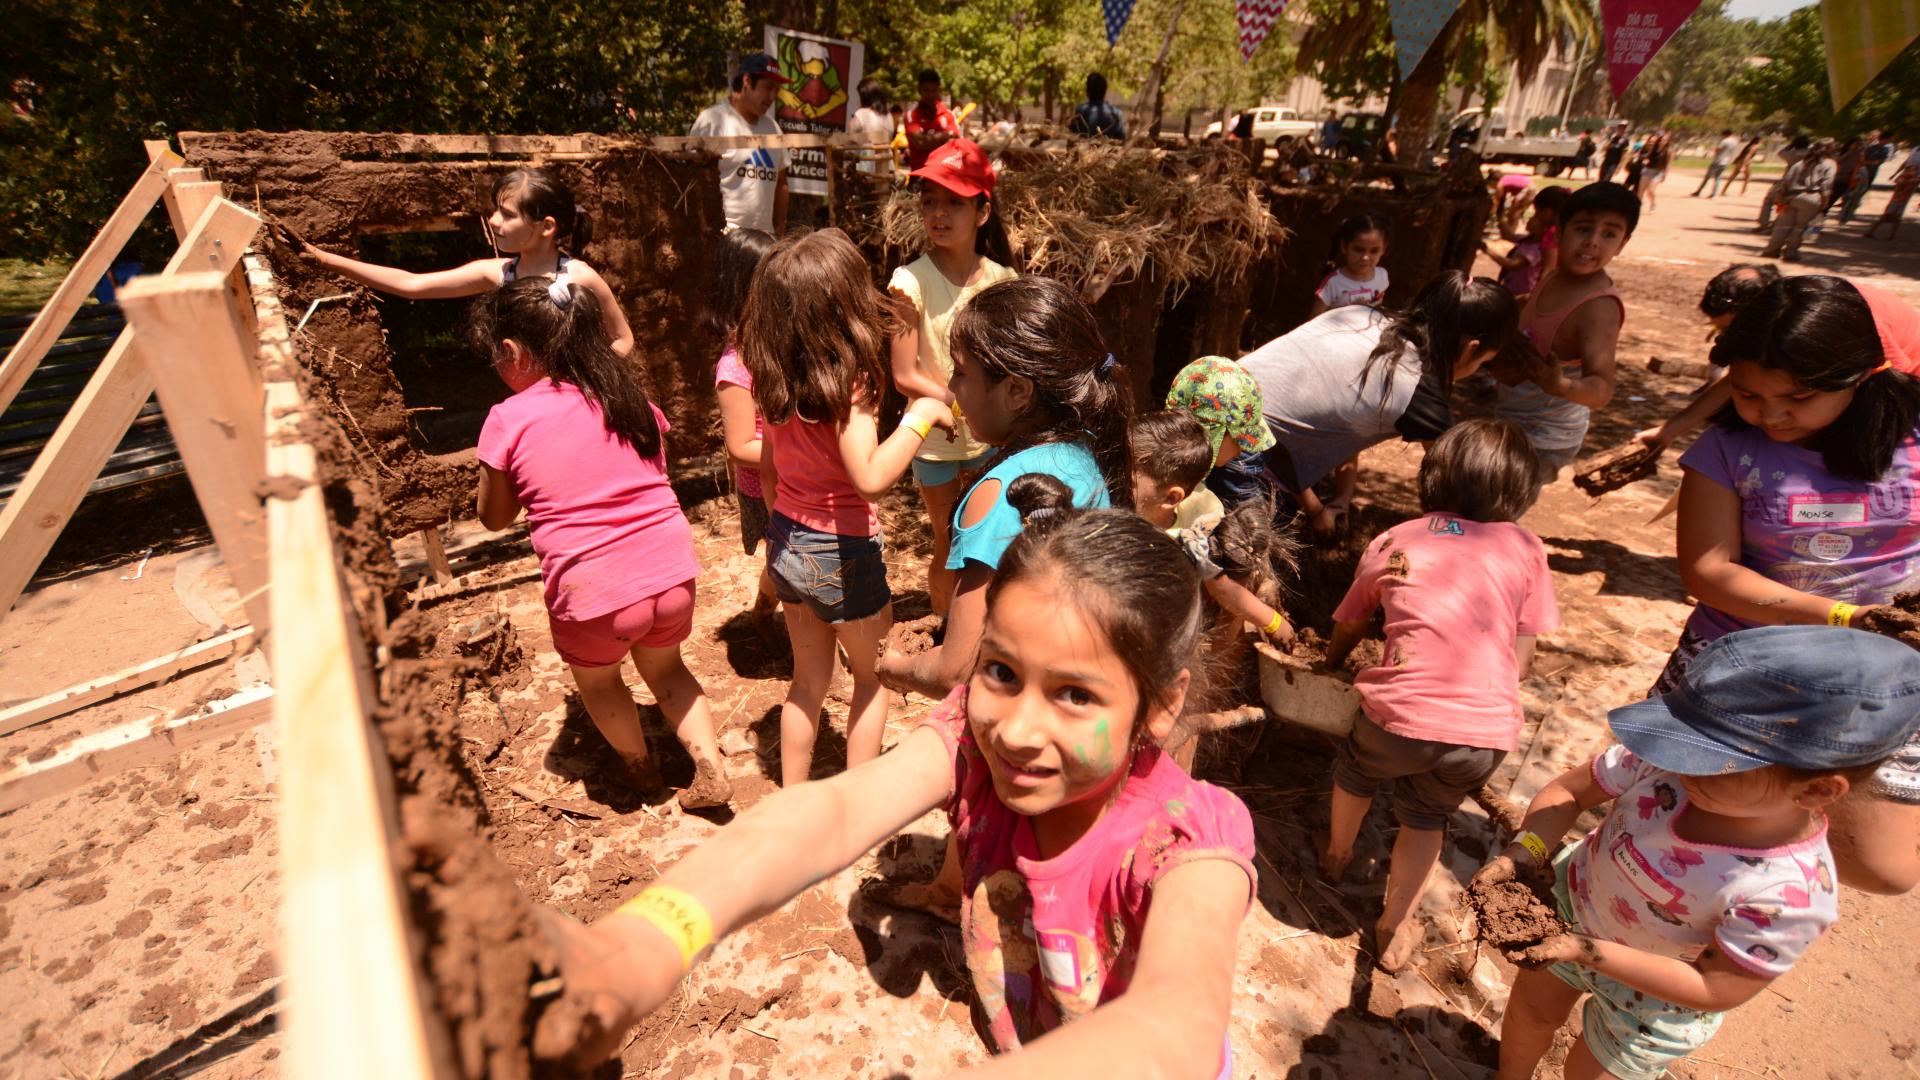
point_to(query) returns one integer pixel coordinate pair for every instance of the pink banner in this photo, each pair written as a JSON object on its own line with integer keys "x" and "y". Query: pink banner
{"x": 1635, "y": 32}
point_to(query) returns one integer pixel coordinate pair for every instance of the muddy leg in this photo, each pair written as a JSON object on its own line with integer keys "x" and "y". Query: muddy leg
{"x": 867, "y": 710}
{"x": 812, "y": 672}
{"x": 1415, "y": 851}
{"x": 940, "y": 499}
{"x": 1348, "y": 811}
{"x": 1537, "y": 1005}
{"x": 1582, "y": 1065}
{"x": 610, "y": 705}
{"x": 684, "y": 702}
{"x": 939, "y": 897}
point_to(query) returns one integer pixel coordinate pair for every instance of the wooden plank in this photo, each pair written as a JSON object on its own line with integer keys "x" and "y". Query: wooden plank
{"x": 171, "y": 197}
{"x": 61, "y": 702}
{"x": 356, "y": 1001}
{"x": 129, "y": 746}
{"x": 202, "y": 361}
{"x": 436, "y": 556}
{"x": 53, "y": 487}
{"x": 86, "y": 273}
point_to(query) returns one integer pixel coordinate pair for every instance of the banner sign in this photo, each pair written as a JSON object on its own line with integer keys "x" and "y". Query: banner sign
{"x": 1635, "y": 31}
{"x": 1117, "y": 13}
{"x": 1415, "y": 24}
{"x": 1256, "y": 19}
{"x": 820, "y": 100}
{"x": 1863, "y": 37}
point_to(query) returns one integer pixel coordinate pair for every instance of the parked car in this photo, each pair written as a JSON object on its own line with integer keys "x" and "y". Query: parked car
{"x": 1358, "y": 132}
{"x": 1272, "y": 123}
{"x": 1473, "y": 129}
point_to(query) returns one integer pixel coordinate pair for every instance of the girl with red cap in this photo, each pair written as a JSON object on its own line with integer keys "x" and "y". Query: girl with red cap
{"x": 967, "y": 250}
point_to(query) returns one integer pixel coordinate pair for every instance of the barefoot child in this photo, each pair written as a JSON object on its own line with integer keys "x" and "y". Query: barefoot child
{"x": 813, "y": 336}
{"x": 534, "y": 218}
{"x": 1710, "y": 876}
{"x": 1465, "y": 592}
{"x": 1574, "y": 320}
{"x": 967, "y": 251}
{"x": 1354, "y": 273}
{"x": 580, "y": 447}
{"x": 739, "y": 256}
{"x": 1103, "y": 886}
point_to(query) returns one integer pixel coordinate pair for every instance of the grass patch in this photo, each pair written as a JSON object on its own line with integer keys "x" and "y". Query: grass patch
{"x": 26, "y": 286}
{"x": 1766, "y": 168}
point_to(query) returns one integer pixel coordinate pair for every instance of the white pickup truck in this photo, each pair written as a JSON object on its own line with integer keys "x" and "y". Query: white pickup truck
{"x": 1497, "y": 145}
{"x": 1272, "y": 123}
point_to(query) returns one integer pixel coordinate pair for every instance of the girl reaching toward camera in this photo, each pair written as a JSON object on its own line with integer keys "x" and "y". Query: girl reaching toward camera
{"x": 1103, "y": 886}
{"x": 537, "y": 224}
{"x": 580, "y": 447}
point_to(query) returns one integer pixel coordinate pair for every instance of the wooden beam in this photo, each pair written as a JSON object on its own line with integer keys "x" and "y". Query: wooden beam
{"x": 46, "y": 498}
{"x": 202, "y": 360}
{"x": 356, "y": 1000}
{"x": 129, "y": 746}
{"x": 436, "y": 556}
{"x": 61, "y": 702}
{"x": 32, "y": 347}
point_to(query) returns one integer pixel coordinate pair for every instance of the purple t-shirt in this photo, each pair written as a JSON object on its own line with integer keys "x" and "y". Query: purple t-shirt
{"x": 1049, "y": 940}
{"x": 603, "y": 520}
{"x": 1807, "y": 528}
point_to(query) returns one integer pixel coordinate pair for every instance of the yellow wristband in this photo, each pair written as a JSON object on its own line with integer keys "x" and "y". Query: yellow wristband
{"x": 918, "y": 425}
{"x": 677, "y": 914}
{"x": 1273, "y": 627}
{"x": 1535, "y": 846}
{"x": 1841, "y": 614}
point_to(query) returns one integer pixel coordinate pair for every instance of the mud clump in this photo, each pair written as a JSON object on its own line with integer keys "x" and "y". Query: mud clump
{"x": 914, "y": 637}
{"x": 1898, "y": 619}
{"x": 1614, "y": 469}
{"x": 1515, "y": 915}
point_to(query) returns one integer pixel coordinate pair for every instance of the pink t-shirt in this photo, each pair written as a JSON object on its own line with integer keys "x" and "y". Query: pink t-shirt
{"x": 1048, "y": 940}
{"x": 1456, "y": 593}
{"x": 603, "y": 519}
{"x": 814, "y": 488}
{"x": 732, "y": 370}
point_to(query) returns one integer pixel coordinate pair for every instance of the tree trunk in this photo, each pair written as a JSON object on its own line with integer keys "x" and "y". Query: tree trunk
{"x": 1416, "y": 101}
{"x": 1150, "y": 90}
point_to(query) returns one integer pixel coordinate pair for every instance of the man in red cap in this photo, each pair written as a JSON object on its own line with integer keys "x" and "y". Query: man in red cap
{"x": 929, "y": 123}
{"x": 753, "y": 180}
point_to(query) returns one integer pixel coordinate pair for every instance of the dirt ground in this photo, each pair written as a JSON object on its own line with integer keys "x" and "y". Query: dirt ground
{"x": 136, "y": 914}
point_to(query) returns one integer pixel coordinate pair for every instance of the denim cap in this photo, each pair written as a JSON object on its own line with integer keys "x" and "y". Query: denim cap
{"x": 1809, "y": 697}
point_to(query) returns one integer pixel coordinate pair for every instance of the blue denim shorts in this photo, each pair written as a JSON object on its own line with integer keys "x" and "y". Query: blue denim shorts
{"x": 839, "y": 578}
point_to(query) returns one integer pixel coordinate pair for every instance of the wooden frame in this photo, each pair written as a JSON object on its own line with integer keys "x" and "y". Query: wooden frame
{"x": 61, "y": 702}
{"x": 356, "y": 1001}
{"x": 540, "y": 145}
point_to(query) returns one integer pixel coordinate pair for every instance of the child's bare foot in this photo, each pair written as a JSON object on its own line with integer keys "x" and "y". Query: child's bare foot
{"x": 1394, "y": 945}
{"x": 1333, "y": 865}
{"x": 642, "y": 774}
{"x": 710, "y": 787}
{"x": 940, "y": 903}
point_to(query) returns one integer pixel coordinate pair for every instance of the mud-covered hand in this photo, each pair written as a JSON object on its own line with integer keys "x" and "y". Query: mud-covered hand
{"x": 612, "y": 977}
{"x": 285, "y": 234}
{"x": 1561, "y": 948}
{"x": 1654, "y": 436}
{"x": 1500, "y": 868}
{"x": 936, "y": 413}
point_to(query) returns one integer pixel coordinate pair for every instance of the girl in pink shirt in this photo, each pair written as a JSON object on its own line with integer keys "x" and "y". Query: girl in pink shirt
{"x": 739, "y": 256}
{"x": 1465, "y": 591}
{"x": 815, "y": 336}
{"x": 1104, "y": 887}
{"x": 578, "y": 445}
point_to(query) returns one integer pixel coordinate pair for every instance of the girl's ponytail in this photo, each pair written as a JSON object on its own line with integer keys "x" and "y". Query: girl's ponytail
{"x": 1450, "y": 311}
{"x": 1107, "y": 419}
{"x": 561, "y": 326}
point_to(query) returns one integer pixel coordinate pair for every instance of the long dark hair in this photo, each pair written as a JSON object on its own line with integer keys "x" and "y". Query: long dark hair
{"x": 1820, "y": 332}
{"x": 1124, "y": 575}
{"x": 734, "y": 262}
{"x": 1353, "y": 228}
{"x": 543, "y": 195}
{"x": 570, "y": 340}
{"x": 815, "y": 332}
{"x": 1452, "y": 310}
{"x": 1042, "y": 331}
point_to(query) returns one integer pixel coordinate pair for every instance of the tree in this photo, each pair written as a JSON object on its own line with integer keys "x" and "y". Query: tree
{"x": 1349, "y": 45}
{"x": 1692, "y": 73}
{"x": 1790, "y": 87}
{"x": 92, "y": 79}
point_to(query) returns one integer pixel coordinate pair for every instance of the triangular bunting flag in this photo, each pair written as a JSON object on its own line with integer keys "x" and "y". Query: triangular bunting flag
{"x": 1635, "y": 31}
{"x": 1415, "y": 24}
{"x": 1256, "y": 19}
{"x": 1863, "y": 37}
{"x": 1117, "y": 13}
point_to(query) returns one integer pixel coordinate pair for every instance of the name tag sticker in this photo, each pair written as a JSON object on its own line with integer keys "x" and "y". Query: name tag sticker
{"x": 1827, "y": 509}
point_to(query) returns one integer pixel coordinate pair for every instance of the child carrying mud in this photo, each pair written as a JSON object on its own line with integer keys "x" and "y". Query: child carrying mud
{"x": 1103, "y": 886}
{"x": 1465, "y": 592}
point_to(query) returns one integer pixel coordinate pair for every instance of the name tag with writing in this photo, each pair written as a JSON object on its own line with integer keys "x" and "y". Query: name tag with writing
{"x": 1827, "y": 509}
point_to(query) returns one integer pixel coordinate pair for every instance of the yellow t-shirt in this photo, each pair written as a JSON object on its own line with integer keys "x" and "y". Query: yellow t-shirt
{"x": 1203, "y": 503}
{"x": 938, "y": 301}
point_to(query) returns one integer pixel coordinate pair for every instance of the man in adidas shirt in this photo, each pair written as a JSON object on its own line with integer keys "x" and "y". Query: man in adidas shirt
{"x": 753, "y": 182}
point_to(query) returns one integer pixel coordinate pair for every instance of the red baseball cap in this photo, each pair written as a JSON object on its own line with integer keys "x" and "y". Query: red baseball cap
{"x": 961, "y": 167}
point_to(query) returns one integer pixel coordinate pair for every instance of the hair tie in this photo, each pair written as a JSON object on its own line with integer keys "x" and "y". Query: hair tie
{"x": 559, "y": 293}
{"x": 1885, "y": 365}
{"x": 1106, "y": 367}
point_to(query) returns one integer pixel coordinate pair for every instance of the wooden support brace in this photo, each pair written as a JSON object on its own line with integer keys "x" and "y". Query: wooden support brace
{"x": 436, "y": 556}
{"x": 47, "y": 326}
{"x": 202, "y": 357}
{"x": 53, "y": 487}
{"x": 356, "y": 1001}
{"x": 129, "y": 746}
{"x": 61, "y": 702}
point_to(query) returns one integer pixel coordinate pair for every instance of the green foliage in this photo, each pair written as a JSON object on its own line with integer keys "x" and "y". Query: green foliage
{"x": 1791, "y": 90}
{"x": 1691, "y": 75}
{"x": 100, "y": 77}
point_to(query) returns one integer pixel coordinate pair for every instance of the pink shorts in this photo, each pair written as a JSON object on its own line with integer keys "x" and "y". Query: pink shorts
{"x": 656, "y": 622}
